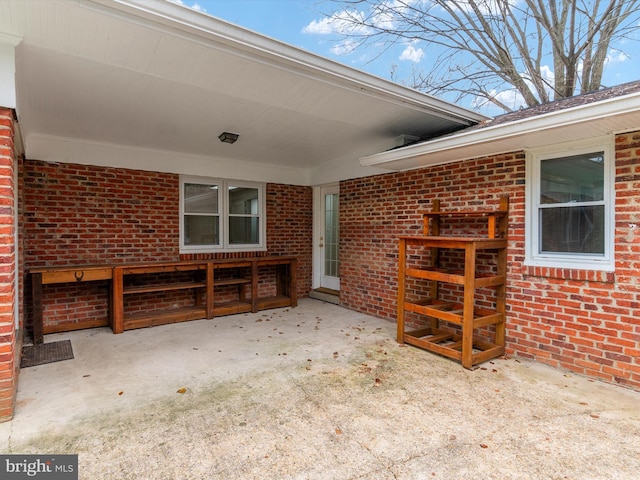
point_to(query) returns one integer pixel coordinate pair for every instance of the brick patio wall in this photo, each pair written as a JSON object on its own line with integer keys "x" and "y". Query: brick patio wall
{"x": 10, "y": 344}
{"x": 582, "y": 321}
{"x": 79, "y": 214}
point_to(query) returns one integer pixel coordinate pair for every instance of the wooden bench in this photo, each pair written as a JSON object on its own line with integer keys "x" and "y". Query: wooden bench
{"x": 204, "y": 279}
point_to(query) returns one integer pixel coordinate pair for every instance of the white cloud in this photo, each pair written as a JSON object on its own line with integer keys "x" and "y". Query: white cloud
{"x": 345, "y": 47}
{"x": 511, "y": 97}
{"x": 319, "y": 27}
{"x": 617, "y": 57}
{"x": 383, "y": 16}
{"x": 344, "y": 24}
{"x": 347, "y": 22}
{"x": 413, "y": 54}
{"x": 486, "y": 8}
{"x": 194, "y": 6}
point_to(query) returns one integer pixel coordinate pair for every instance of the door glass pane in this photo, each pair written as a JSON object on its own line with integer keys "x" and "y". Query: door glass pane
{"x": 331, "y": 236}
{"x": 200, "y": 198}
{"x": 243, "y": 230}
{"x": 201, "y": 230}
{"x": 572, "y": 179}
{"x": 572, "y": 229}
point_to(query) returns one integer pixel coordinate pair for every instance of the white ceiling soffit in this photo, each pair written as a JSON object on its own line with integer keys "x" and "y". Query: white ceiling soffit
{"x": 598, "y": 119}
{"x": 156, "y": 76}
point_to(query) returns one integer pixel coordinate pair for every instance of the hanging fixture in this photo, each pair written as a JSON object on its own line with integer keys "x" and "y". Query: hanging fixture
{"x": 227, "y": 137}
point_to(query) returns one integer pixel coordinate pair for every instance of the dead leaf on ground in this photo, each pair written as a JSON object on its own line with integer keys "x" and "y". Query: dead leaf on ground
{"x": 484, "y": 445}
{"x": 182, "y": 390}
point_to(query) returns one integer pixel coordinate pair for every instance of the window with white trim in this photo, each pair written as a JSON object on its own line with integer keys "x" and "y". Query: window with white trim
{"x": 220, "y": 215}
{"x": 570, "y": 207}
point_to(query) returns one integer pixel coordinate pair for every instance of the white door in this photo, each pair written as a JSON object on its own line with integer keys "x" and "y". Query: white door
{"x": 329, "y": 241}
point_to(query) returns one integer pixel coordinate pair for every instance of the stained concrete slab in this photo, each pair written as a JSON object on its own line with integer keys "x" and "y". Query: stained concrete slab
{"x": 313, "y": 392}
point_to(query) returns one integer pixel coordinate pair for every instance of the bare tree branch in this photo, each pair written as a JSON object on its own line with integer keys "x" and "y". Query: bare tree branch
{"x": 537, "y": 50}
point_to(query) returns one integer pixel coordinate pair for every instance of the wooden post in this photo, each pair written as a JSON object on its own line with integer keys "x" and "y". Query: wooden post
{"x": 503, "y": 223}
{"x": 117, "y": 325}
{"x": 469, "y": 300}
{"x": 501, "y": 299}
{"x": 254, "y": 285}
{"x": 209, "y": 290}
{"x": 36, "y": 296}
{"x": 293, "y": 282}
{"x": 435, "y": 263}
{"x": 402, "y": 256}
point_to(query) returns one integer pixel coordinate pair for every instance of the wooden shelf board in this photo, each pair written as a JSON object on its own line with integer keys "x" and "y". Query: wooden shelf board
{"x": 467, "y": 213}
{"x": 79, "y": 274}
{"x": 231, "y": 307}
{"x": 450, "y": 345}
{"x": 163, "y": 317}
{"x": 457, "y": 278}
{"x": 453, "y": 312}
{"x": 163, "y": 288}
{"x": 163, "y": 268}
{"x": 436, "y": 275}
{"x": 275, "y": 301}
{"x": 435, "y": 347}
{"x": 231, "y": 281}
{"x": 488, "y": 317}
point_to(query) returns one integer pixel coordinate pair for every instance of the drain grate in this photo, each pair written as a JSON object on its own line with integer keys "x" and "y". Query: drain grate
{"x": 42, "y": 353}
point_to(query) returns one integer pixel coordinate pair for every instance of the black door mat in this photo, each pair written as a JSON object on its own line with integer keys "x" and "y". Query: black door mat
{"x": 42, "y": 353}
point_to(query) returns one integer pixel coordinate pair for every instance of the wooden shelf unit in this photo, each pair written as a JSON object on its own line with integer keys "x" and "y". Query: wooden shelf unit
{"x": 244, "y": 274}
{"x": 464, "y": 347}
{"x": 57, "y": 275}
{"x": 129, "y": 280}
{"x": 122, "y": 320}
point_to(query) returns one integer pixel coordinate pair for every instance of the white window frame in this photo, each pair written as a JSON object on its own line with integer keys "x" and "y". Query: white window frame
{"x": 225, "y": 246}
{"x": 533, "y": 256}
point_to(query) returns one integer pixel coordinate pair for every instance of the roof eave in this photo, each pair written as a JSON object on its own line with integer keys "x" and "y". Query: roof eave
{"x": 213, "y": 30}
{"x": 492, "y": 140}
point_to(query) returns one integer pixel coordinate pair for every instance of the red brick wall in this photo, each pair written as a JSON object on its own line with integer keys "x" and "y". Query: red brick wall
{"x": 10, "y": 345}
{"x": 79, "y": 214}
{"x": 586, "y": 322}
{"x": 290, "y": 227}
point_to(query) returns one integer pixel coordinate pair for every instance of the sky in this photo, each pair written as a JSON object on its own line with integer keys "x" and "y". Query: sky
{"x": 304, "y": 24}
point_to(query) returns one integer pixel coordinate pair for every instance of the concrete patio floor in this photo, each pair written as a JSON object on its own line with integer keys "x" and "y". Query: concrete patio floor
{"x": 313, "y": 392}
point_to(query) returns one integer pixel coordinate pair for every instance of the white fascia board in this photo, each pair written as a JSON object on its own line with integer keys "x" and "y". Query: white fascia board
{"x": 8, "y": 45}
{"x": 494, "y": 135}
{"x": 54, "y": 149}
{"x": 213, "y": 30}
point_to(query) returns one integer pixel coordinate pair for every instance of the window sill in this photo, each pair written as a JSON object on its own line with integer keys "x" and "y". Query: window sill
{"x": 580, "y": 275}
